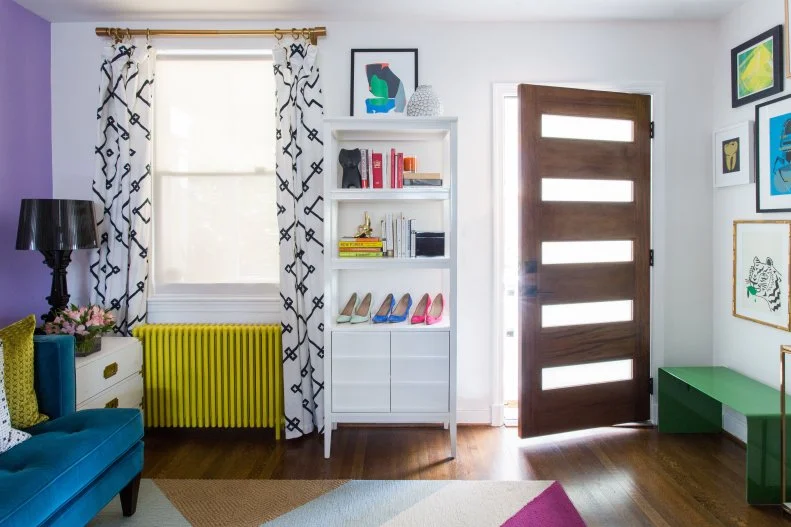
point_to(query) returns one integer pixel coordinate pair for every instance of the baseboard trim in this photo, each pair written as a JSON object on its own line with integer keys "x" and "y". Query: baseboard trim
{"x": 474, "y": 417}
{"x": 498, "y": 415}
{"x": 734, "y": 424}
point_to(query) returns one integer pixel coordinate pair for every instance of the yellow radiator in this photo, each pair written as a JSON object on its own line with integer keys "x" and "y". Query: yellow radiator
{"x": 212, "y": 375}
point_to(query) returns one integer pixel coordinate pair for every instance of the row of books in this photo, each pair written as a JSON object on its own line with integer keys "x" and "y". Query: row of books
{"x": 379, "y": 170}
{"x": 397, "y": 241}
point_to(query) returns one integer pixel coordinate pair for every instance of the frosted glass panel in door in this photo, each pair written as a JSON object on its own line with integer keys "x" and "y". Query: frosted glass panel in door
{"x": 590, "y": 128}
{"x": 589, "y": 190}
{"x": 586, "y": 252}
{"x": 585, "y": 374}
{"x": 556, "y": 315}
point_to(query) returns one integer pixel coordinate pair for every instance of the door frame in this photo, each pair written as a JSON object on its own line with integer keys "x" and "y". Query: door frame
{"x": 658, "y": 220}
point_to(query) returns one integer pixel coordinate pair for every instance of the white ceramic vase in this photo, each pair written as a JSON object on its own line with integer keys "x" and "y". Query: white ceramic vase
{"x": 424, "y": 103}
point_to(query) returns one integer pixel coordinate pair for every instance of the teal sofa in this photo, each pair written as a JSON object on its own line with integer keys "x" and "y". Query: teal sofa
{"x": 76, "y": 462}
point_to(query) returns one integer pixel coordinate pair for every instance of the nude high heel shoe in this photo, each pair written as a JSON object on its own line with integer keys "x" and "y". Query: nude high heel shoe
{"x": 346, "y": 313}
{"x": 434, "y": 315}
{"x": 363, "y": 312}
{"x": 401, "y": 311}
{"x": 419, "y": 317}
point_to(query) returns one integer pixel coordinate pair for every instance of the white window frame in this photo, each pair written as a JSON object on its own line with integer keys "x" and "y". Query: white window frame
{"x": 658, "y": 221}
{"x": 208, "y": 303}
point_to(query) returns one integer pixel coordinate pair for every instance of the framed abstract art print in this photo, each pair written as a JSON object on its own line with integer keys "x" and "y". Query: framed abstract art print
{"x": 382, "y": 81}
{"x": 733, "y": 155}
{"x": 773, "y": 155}
{"x": 757, "y": 68}
{"x": 761, "y": 265}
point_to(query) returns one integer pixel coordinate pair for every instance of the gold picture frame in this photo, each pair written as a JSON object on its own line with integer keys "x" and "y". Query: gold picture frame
{"x": 762, "y": 271}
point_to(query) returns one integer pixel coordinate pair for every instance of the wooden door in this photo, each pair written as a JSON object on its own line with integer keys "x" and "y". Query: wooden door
{"x": 585, "y": 182}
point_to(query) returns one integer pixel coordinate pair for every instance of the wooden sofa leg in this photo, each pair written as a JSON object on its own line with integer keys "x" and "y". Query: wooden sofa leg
{"x": 129, "y": 496}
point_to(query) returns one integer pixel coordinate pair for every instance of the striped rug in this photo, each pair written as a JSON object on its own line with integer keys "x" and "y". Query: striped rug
{"x": 290, "y": 503}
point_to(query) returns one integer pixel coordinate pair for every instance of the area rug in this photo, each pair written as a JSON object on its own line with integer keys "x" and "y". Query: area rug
{"x": 291, "y": 503}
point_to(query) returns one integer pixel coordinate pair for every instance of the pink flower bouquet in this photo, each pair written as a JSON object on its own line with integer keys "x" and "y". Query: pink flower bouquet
{"x": 86, "y": 323}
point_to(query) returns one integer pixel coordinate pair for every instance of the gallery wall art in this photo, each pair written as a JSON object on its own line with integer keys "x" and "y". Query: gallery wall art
{"x": 757, "y": 68}
{"x": 761, "y": 265}
{"x": 733, "y": 155}
{"x": 773, "y": 155}
{"x": 382, "y": 80}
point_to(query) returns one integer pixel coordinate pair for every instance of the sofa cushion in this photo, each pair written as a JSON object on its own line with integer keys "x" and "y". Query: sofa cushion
{"x": 19, "y": 376}
{"x": 63, "y": 457}
{"x": 9, "y": 436}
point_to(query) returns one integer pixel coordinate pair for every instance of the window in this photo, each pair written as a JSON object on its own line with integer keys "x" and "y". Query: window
{"x": 215, "y": 216}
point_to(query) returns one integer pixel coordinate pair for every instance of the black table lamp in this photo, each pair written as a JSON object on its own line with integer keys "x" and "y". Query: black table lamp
{"x": 56, "y": 227}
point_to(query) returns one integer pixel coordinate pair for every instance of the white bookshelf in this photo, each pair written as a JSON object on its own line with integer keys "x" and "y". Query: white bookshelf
{"x": 390, "y": 373}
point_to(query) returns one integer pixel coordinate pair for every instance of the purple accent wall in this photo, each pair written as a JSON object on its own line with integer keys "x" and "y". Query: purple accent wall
{"x": 25, "y": 153}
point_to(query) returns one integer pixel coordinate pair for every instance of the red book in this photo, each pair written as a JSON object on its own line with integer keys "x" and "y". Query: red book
{"x": 376, "y": 169}
{"x": 393, "y": 182}
{"x": 400, "y": 170}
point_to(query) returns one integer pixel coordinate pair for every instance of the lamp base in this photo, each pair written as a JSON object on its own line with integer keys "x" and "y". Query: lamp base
{"x": 58, "y": 297}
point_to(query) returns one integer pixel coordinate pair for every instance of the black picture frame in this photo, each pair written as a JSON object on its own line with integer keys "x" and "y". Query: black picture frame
{"x": 762, "y": 179}
{"x": 778, "y": 66}
{"x": 384, "y": 52}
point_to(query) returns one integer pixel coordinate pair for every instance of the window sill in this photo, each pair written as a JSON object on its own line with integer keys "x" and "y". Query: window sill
{"x": 213, "y": 309}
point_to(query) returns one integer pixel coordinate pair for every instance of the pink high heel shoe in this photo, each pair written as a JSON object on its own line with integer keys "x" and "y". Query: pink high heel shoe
{"x": 434, "y": 315}
{"x": 419, "y": 317}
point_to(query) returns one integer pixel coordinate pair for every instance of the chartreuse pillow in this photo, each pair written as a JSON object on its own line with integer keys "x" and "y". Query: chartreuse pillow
{"x": 18, "y": 343}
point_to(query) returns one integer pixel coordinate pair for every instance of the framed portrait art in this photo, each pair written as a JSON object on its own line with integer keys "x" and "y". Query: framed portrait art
{"x": 757, "y": 68}
{"x": 733, "y": 155}
{"x": 773, "y": 155}
{"x": 761, "y": 266}
{"x": 382, "y": 81}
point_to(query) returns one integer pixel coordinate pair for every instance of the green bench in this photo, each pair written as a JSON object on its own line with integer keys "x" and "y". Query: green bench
{"x": 691, "y": 399}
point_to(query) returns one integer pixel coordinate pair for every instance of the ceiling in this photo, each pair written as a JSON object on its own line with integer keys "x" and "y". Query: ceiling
{"x": 328, "y": 10}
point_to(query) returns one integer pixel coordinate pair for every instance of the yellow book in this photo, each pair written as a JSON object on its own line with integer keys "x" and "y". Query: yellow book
{"x": 348, "y": 254}
{"x": 360, "y": 244}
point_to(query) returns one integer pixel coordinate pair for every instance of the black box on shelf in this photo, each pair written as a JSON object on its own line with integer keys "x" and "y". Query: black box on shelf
{"x": 429, "y": 244}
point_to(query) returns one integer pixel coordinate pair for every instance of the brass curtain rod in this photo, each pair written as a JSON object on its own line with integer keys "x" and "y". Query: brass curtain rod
{"x": 118, "y": 33}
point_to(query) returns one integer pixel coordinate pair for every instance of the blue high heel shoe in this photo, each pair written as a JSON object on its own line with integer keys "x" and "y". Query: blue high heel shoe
{"x": 401, "y": 311}
{"x": 384, "y": 312}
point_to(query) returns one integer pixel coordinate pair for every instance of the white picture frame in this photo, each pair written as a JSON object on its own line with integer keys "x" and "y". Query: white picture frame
{"x": 761, "y": 272}
{"x": 734, "y": 155}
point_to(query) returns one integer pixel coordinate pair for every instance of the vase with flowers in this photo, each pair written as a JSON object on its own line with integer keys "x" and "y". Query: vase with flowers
{"x": 86, "y": 323}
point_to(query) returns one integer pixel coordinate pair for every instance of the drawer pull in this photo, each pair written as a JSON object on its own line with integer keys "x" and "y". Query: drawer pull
{"x": 110, "y": 370}
{"x": 112, "y": 404}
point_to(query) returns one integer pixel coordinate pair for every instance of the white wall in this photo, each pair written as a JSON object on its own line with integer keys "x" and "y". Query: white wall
{"x": 462, "y": 60}
{"x": 745, "y": 346}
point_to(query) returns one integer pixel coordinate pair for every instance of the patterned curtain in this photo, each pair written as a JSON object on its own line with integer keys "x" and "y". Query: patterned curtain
{"x": 300, "y": 159}
{"x": 122, "y": 183}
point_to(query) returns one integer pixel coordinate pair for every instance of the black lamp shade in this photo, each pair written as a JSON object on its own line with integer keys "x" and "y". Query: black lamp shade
{"x": 56, "y": 225}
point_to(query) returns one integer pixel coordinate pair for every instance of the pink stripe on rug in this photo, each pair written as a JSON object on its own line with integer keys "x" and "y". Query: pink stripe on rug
{"x": 552, "y": 508}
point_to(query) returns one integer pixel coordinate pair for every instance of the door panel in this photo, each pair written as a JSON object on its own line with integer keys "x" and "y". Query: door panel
{"x": 565, "y": 307}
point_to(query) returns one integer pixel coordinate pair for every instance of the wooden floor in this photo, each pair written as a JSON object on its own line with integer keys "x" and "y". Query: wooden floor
{"x": 614, "y": 476}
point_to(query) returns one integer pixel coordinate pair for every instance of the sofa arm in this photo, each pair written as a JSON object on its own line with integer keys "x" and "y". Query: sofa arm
{"x": 55, "y": 376}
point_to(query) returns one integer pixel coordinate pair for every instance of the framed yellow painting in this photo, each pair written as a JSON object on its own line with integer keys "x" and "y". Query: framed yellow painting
{"x": 757, "y": 67}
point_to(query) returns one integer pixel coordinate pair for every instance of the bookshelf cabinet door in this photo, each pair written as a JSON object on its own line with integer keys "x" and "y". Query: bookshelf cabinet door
{"x": 420, "y": 370}
{"x": 360, "y": 371}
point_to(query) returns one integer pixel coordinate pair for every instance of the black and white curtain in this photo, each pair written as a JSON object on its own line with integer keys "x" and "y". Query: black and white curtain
{"x": 122, "y": 183}
{"x": 300, "y": 159}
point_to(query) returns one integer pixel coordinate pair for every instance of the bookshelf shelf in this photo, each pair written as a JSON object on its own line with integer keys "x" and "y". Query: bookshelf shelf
{"x": 402, "y": 389}
{"x": 406, "y": 194}
{"x": 444, "y": 325}
{"x": 390, "y": 263}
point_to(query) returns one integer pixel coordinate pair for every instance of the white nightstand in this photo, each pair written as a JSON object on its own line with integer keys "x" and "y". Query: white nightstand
{"x": 112, "y": 377}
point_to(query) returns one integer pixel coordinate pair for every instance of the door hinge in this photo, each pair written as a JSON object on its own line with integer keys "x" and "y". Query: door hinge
{"x": 651, "y": 129}
{"x": 651, "y": 258}
{"x": 650, "y": 386}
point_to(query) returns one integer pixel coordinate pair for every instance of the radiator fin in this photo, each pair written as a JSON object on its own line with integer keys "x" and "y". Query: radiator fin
{"x": 212, "y": 375}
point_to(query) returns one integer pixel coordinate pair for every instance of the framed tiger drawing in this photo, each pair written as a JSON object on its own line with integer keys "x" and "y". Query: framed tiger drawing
{"x": 761, "y": 272}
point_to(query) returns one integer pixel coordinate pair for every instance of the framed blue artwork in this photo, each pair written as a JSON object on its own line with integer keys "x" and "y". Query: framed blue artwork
{"x": 382, "y": 81}
{"x": 773, "y": 155}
